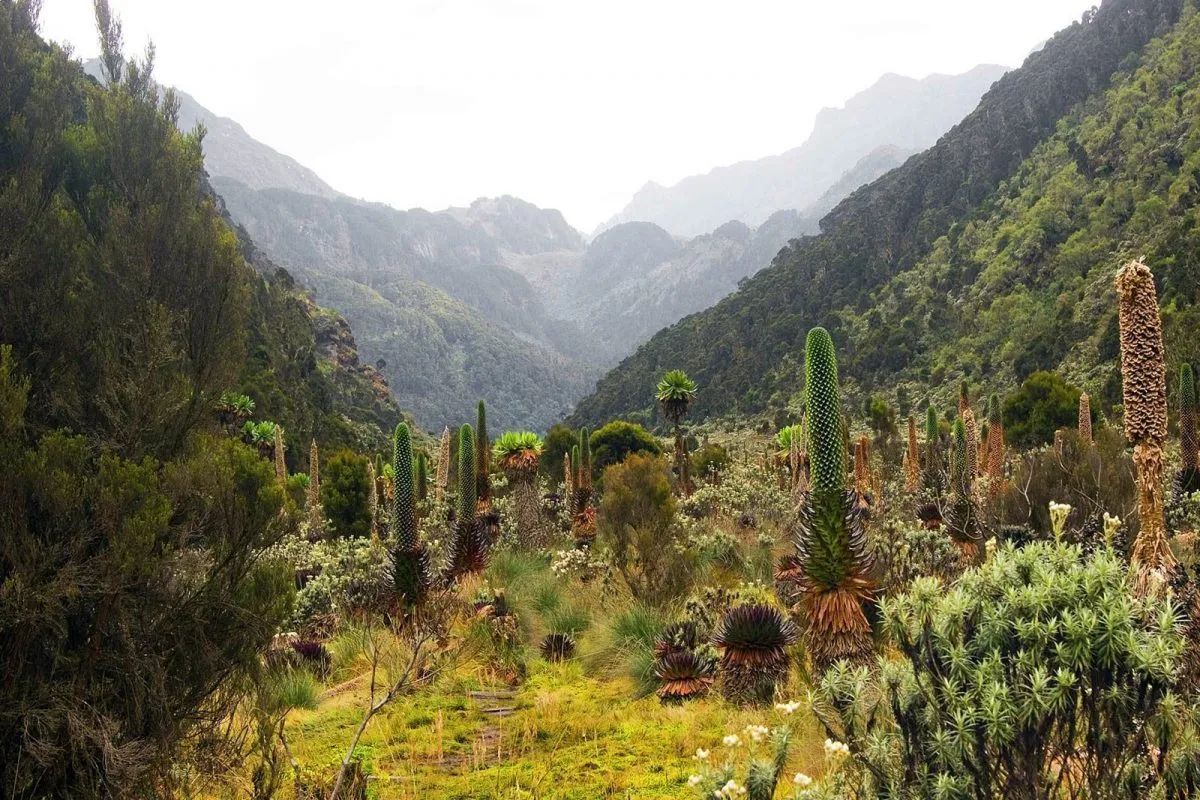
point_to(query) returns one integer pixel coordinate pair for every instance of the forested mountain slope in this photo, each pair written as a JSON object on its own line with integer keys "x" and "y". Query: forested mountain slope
{"x": 111, "y": 251}
{"x": 430, "y": 294}
{"x": 963, "y": 233}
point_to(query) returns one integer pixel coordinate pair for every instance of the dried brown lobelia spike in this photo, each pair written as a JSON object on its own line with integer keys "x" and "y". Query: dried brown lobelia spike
{"x": 1144, "y": 383}
{"x": 968, "y": 418}
{"x": 912, "y": 459}
{"x": 1085, "y": 419}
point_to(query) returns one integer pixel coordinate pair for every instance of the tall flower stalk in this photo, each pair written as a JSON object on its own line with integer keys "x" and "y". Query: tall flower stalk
{"x": 1144, "y": 387}
{"x": 832, "y": 565}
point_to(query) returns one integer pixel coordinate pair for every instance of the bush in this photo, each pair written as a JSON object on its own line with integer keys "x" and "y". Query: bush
{"x": 1044, "y": 403}
{"x": 636, "y": 520}
{"x": 1038, "y": 659}
{"x": 558, "y": 442}
{"x": 344, "y": 493}
{"x": 1093, "y": 480}
{"x": 616, "y": 440}
{"x": 710, "y": 460}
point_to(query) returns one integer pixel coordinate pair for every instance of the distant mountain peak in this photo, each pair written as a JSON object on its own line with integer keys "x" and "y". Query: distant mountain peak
{"x": 230, "y": 152}
{"x": 907, "y": 113}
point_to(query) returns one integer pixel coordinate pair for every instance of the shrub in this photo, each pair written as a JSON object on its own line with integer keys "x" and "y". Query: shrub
{"x": 1038, "y": 675}
{"x": 345, "y": 490}
{"x": 1043, "y": 404}
{"x": 636, "y": 520}
{"x": 1092, "y": 480}
{"x": 710, "y": 460}
{"x": 616, "y": 440}
{"x": 558, "y": 443}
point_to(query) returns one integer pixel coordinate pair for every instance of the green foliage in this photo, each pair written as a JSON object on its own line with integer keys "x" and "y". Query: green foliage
{"x": 712, "y": 459}
{"x": 616, "y": 440}
{"x": 1039, "y": 658}
{"x": 515, "y": 445}
{"x": 171, "y": 552}
{"x": 636, "y": 521}
{"x": 483, "y": 454}
{"x": 344, "y": 493}
{"x": 675, "y": 393}
{"x": 826, "y": 443}
{"x": 233, "y": 406}
{"x": 465, "y": 503}
{"x": 558, "y": 442}
{"x": 421, "y": 475}
{"x": 1044, "y": 404}
{"x": 785, "y": 436}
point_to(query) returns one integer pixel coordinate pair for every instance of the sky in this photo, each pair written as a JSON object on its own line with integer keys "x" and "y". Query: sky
{"x": 568, "y": 104}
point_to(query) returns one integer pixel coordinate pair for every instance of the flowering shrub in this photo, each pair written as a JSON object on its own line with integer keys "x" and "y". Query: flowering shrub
{"x": 764, "y": 753}
{"x": 338, "y": 577}
{"x": 743, "y": 490}
{"x": 579, "y": 562}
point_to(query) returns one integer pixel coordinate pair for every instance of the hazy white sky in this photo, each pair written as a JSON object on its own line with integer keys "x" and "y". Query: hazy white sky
{"x": 569, "y": 104}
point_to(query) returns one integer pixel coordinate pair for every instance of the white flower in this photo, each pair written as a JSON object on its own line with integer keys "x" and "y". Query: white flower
{"x": 701, "y": 754}
{"x": 730, "y": 789}
{"x": 836, "y": 749}
{"x": 694, "y": 780}
{"x": 802, "y": 780}
{"x": 757, "y": 732}
{"x": 788, "y": 708}
{"x": 731, "y": 740}
{"x": 1058, "y": 517}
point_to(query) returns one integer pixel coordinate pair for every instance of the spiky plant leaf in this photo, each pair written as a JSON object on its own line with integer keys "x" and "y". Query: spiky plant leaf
{"x": 755, "y": 634}
{"x": 675, "y": 393}
{"x": 517, "y": 451}
{"x": 557, "y": 647}
{"x": 684, "y": 674}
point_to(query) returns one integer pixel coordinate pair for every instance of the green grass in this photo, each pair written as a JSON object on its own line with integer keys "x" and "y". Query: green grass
{"x": 572, "y": 737}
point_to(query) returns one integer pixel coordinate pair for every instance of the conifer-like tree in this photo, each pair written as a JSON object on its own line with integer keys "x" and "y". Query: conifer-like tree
{"x": 410, "y": 567}
{"x": 996, "y": 446}
{"x": 972, "y": 434}
{"x": 932, "y": 474}
{"x": 316, "y": 514}
{"x": 373, "y": 499}
{"x": 964, "y": 519}
{"x": 404, "y": 508}
{"x": 1189, "y": 440}
{"x": 1144, "y": 386}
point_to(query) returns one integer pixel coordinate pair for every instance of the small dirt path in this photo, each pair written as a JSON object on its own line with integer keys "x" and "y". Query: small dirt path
{"x": 488, "y": 745}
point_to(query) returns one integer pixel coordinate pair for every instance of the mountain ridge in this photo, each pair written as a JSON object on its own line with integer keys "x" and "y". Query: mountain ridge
{"x": 744, "y": 351}
{"x": 908, "y": 113}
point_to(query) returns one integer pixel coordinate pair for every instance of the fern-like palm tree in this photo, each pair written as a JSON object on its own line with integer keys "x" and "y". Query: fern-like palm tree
{"x": 675, "y": 393}
{"x": 832, "y": 565}
{"x": 519, "y": 454}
